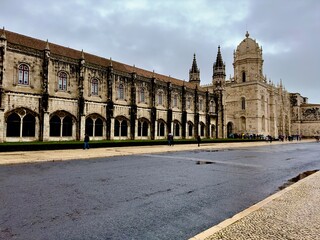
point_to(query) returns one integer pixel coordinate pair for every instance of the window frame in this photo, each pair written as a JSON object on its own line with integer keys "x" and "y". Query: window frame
{"x": 121, "y": 91}
{"x": 23, "y": 74}
{"x": 62, "y": 81}
{"x": 95, "y": 87}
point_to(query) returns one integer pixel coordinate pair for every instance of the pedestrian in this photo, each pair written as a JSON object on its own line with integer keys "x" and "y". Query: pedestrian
{"x": 86, "y": 142}
{"x": 169, "y": 139}
{"x": 198, "y": 140}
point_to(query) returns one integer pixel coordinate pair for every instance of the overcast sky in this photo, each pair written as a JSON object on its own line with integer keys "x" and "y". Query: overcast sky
{"x": 163, "y": 35}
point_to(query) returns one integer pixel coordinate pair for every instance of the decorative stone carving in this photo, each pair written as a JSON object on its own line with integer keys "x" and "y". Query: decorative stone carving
{"x": 311, "y": 114}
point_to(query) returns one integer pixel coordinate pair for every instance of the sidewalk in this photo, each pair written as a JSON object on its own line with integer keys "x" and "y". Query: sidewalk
{"x": 76, "y": 154}
{"x": 293, "y": 213}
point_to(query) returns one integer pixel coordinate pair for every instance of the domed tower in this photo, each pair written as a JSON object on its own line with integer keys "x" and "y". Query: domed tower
{"x": 248, "y": 62}
{"x": 250, "y": 99}
{"x": 194, "y": 73}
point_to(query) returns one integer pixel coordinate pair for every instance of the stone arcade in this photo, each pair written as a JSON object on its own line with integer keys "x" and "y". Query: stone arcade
{"x": 51, "y": 93}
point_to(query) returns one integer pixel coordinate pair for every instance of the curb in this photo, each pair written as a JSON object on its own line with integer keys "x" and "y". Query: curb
{"x": 216, "y": 228}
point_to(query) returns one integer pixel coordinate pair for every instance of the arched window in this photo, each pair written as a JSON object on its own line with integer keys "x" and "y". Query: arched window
{"x": 142, "y": 96}
{"x": 211, "y": 107}
{"x": 160, "y": 98}
{"x": 229, "y": 129}
{"x": 98, "y": 127}
{"x": 28, "y": 126}
{"x": 243, "y": 103}
{"x": 161, "y": 127}
{"x": 23, "y": 74}
{"x": 202, "y": 128}
{"x": 175, "y": 100}
{"x": 124, "y": 128}
{"x": 177, "y": 129}
{"x": 200, "y": 105}
{"x": 67, "y": 126}
{"x": 13, "y": 125}
{"x": 89, "y": 126}
{"x": 121, "y": 92}
{"x": 94, "y": 87}
{"x": 145, "y": 129}
{"x": 120, "y": 128}
{"x": 189, "y": 103}
{"x": 62, "y": 81}
{"x": 55, "y": 126}
{"x": 116, "y": 128}
{"x": 243, "y": 76}
{"x": 190, "y": 129}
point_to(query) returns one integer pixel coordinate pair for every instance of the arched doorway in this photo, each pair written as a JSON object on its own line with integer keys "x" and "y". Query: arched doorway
{"x": 229, "y": 129}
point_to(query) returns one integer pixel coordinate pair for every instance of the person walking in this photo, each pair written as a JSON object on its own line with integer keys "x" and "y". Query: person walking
{"x": 170, "y": 139}
{"x": 86, "y": 142}
{"x": 198, "y": 140}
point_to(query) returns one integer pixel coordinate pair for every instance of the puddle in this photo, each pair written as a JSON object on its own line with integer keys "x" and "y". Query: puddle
{"x": 297, "y": 178}
{"x": 204, "y": 162}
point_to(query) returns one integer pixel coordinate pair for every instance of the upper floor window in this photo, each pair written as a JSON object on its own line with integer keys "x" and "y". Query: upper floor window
{"x": 243, "y": 76}
{"x": 142, "y": 95}
{"x": 243, "y": 103}
{"x": 62, "y": 81}
{"x": 121, "y": 91}
{"x": 94, "y": 87}
{"x": 200, "y": 104}
{"x": 160, "y": 98}
{"x": 211, "y": 107}
{"x": 175, "y": 100}
{"x": 23, "y": 74}
{"x": 189, "y": 103}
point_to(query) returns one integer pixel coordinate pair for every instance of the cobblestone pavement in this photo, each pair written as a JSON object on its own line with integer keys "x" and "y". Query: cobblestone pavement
{"x": 293, "y": 213}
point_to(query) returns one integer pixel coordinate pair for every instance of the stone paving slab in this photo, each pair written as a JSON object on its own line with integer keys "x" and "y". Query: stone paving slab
{"x": 293, "y": 213}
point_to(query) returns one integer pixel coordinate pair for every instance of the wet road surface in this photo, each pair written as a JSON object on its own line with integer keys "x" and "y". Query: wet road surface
{"x": 156, "y": 196}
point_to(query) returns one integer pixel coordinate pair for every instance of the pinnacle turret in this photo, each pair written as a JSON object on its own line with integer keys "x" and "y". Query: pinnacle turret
{"x": 219, "y": 69}
{"x": 194, "y": 73}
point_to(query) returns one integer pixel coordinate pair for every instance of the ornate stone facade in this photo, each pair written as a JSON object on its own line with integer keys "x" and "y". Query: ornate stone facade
{"x": 50, "y": 92}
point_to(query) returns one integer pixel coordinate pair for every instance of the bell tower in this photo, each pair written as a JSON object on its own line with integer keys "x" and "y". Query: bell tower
{"x": 219, "y": 71}
{"x": 248, "y": 62}
{"x": 218, "y": 81}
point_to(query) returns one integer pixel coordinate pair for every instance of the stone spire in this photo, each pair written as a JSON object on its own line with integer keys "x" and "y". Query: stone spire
{"x": 194, "y": 73}
{"x": 219, "y": 70}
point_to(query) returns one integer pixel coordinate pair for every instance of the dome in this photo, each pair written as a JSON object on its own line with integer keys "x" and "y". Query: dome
{"x": 248, "y": 46}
